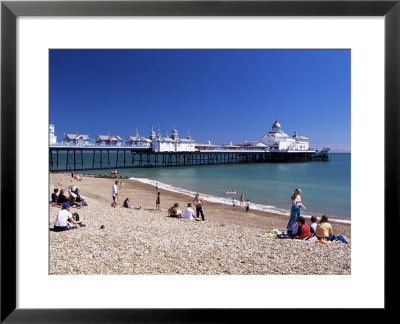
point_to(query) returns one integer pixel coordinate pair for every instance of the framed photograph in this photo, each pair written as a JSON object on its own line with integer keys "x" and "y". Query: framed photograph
{"x": 218, "y": 114}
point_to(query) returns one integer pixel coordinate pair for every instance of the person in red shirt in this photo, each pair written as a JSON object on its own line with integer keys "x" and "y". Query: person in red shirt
{"x": 305, "y": 229}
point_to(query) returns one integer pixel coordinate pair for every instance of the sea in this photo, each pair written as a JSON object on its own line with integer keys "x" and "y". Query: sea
{"x": 325, "y": 185}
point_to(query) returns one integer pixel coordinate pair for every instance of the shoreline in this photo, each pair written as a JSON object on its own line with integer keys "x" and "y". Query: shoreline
{"x": 272, "y": 210}
{"x": 227, "y": 201}
{"x": 147, "y": 242}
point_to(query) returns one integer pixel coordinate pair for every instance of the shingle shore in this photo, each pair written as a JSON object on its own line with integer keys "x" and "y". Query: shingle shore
{"x": 147, "y": 242}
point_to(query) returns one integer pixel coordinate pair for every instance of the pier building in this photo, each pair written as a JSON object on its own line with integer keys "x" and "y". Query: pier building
{"x": 77, "y": 139}
{"x": 52, "y": 136}
{"x": 112, "y": 140}
{"x": 173, "y": 143}
{"x": 278, "y": 140}
{"x": 206, "y": 146}
{"x": 140, "y": 141}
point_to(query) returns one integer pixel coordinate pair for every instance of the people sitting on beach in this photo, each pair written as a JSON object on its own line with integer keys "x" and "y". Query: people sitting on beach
{"x": 128, "y": 205}
{"x": 234, "y": 202}
{"x": 64, "y": 219}
{"x": 313, "y": 225}
{"x": 247, "y": 205}
{"x": 324, "y": 231}
{"x": 73, "y": 201}
{"x": 62, "y": 198}
{"x": 189, "y": 212}
{"x": 294, "y": 230}
{"x": 304, "y": 229}
{"x": 54, "y": 195}
{"x": 174, "y": 211}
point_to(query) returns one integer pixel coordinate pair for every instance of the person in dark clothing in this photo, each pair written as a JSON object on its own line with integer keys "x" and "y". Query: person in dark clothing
{"x": 54, "y": 196}
{"x": 62, "y": 198}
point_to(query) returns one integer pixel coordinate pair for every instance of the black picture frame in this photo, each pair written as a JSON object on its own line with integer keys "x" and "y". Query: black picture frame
{"x": 10, "y": 10}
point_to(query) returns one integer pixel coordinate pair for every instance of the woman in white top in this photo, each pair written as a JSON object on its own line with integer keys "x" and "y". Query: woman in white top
{"x": 295, "y": 211}
{"x": 198, "y": 202}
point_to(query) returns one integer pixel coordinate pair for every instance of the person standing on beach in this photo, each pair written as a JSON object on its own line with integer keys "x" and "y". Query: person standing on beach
{"x": 158, "y": 201}
{"x": 198, "y": 202}
{"x": 72, "y": 173}
{"x": 234, "y": 202}
{"x": 241, "y": 199}
{"x": 295, "y": 211}
{"x": 114, "y": 194}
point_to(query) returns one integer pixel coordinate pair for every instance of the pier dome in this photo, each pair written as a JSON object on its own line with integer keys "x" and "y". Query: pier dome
{"x": 276, "y": 127}
{"x": 174, "y": 134}
{"x": 278, "y": 140}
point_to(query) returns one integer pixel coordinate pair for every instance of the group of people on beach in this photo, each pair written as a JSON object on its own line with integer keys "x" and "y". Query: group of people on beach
{"x": 297, "y": 226}
{"x": 72, "y": 197}
{"x": 198, "y": 202}
{"x": 78, "y": 177}
{"x": 299, "y": 229}
{"x": 234, "y": 202}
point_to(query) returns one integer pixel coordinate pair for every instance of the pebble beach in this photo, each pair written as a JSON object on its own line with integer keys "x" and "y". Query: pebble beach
{"x": 145, "y": 241}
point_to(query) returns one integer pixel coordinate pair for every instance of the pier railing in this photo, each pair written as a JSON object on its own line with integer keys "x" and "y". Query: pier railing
{"x": 85, "y": 158}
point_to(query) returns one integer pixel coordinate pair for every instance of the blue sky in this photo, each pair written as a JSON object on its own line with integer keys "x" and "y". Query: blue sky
{"x": 220, "y": 95}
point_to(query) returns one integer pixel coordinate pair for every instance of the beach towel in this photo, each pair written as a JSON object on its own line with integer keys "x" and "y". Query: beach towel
{"x": 311, "y": 239}
{"x": 270, "y": 235}
{"x": 52, "y": 204}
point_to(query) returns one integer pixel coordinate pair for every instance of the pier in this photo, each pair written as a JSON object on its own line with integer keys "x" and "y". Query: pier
{"x": 86, "y": 158}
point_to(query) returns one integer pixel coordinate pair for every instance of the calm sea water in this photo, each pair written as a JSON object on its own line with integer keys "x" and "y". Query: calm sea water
{"x": 325, "y": 185}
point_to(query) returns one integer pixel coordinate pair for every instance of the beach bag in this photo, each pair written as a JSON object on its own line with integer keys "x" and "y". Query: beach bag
{"x": 75, "y": 216}
{"x": 283, "y": 236}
